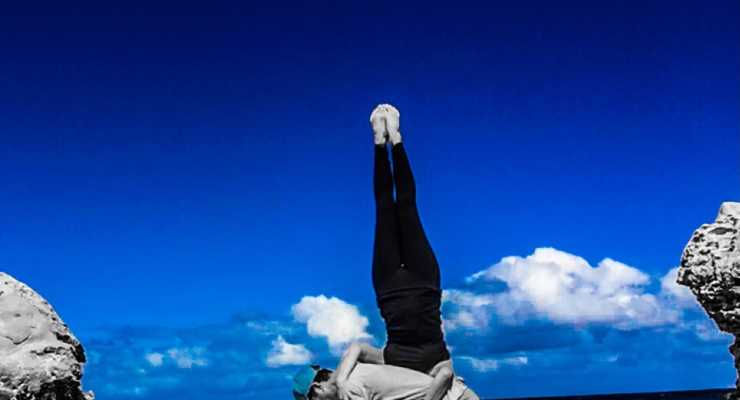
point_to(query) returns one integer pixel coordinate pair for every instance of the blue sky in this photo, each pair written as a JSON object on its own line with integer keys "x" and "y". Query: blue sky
{"x": 185, "y": 189}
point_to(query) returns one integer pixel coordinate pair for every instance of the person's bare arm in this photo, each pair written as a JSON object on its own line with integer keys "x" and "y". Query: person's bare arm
{"x": 356, "y": 352}
{"x": 370, "y": 354}
{"x": 442, "y": 375}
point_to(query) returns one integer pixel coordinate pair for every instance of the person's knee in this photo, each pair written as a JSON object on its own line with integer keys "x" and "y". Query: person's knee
{"x": 445, "y": 373}
{"x": 442, "y": 365}
{"x": 469, "y": 395}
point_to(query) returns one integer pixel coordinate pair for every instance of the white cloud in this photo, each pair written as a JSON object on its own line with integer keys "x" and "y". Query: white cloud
{"x": 481, "y": 365}
{"x": 492, "y": 364}
{"x": 268, "y": 328}
{"x": 154, "y": 359}
{"x": 707, "y": 331}
{"x": 563, "y": 288}
{"x": 472, "y": 311}
{"x": 681, "y": 294}
{"x": 284, "y": 353}
{"x": 188, "y": 357}
{"x": 339, "y": 322}
{"x": 128, "y": 391}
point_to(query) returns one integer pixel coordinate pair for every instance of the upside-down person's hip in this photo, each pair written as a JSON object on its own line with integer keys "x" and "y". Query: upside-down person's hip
{"x": 420, "y": 357}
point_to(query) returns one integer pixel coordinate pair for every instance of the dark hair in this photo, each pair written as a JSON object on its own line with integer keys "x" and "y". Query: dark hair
{"x": 322, "y": 375}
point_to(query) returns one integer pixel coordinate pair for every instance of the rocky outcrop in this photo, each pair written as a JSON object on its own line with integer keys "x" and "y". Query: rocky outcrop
{"x": 40, "y": 359}
{"x": 710, "y": 267}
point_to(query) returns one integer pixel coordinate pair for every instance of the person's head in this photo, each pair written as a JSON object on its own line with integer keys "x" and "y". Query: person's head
{"x": 322, "y": 388}
{"x": 312, "y": 382}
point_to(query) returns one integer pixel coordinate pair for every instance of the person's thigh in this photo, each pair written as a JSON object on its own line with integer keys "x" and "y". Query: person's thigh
{"x": 416, "y": 251}
{"x": 386, "y": 249}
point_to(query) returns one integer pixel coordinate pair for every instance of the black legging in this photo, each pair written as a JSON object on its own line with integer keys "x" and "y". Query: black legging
{"x": 405, "y": 270}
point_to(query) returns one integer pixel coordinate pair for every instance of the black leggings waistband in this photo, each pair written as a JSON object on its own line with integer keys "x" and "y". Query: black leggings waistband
{"x": 420, "y": 357}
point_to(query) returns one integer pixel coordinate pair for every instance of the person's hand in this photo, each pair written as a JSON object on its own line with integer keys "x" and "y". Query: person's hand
{"x": 442, "y": 376}
{"x": 343, "y": 391}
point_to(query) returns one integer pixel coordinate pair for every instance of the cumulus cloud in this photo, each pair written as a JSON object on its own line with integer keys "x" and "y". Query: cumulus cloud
{"x": 229, "y": 359}
{"x": 473, "y": 309}
{"x": 339, "y": 322}
{"x": 284, "y": 353}
{"x": 496, "y": 323}
{"x": 562, "y": 288}
{"x": 671, "y": 289}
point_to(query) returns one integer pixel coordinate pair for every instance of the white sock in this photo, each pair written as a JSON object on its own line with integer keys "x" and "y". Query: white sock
{"x": 379, "y": 138}
{"x": 395, "y": 137}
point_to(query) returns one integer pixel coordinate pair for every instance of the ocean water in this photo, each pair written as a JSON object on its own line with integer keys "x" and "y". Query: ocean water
{"x": 709, "y": 394}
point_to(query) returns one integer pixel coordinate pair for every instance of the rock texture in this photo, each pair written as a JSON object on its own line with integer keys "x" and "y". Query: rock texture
{"x": 40, "y": 359}
{"x": 710, "y": 267}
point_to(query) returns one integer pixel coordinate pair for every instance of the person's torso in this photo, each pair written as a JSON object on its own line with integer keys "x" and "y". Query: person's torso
{"x": 412, "y": 315}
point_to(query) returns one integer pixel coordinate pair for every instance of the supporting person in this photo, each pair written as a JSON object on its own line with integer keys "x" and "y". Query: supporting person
{"x": 369, "y": 381}
{"x": 406, "y": 279}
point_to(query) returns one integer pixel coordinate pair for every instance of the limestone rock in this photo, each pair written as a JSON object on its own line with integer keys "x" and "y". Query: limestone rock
{"x": 40, "y": 359}
{"x": 710, "y": 267}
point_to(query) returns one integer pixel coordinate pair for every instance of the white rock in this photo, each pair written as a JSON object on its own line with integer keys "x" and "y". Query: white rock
{"x": 39, "y": 357}
{"x": 710, "y": 267}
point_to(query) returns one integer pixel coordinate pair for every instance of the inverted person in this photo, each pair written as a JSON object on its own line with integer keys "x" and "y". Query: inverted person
{"x": 405, "y": 275}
